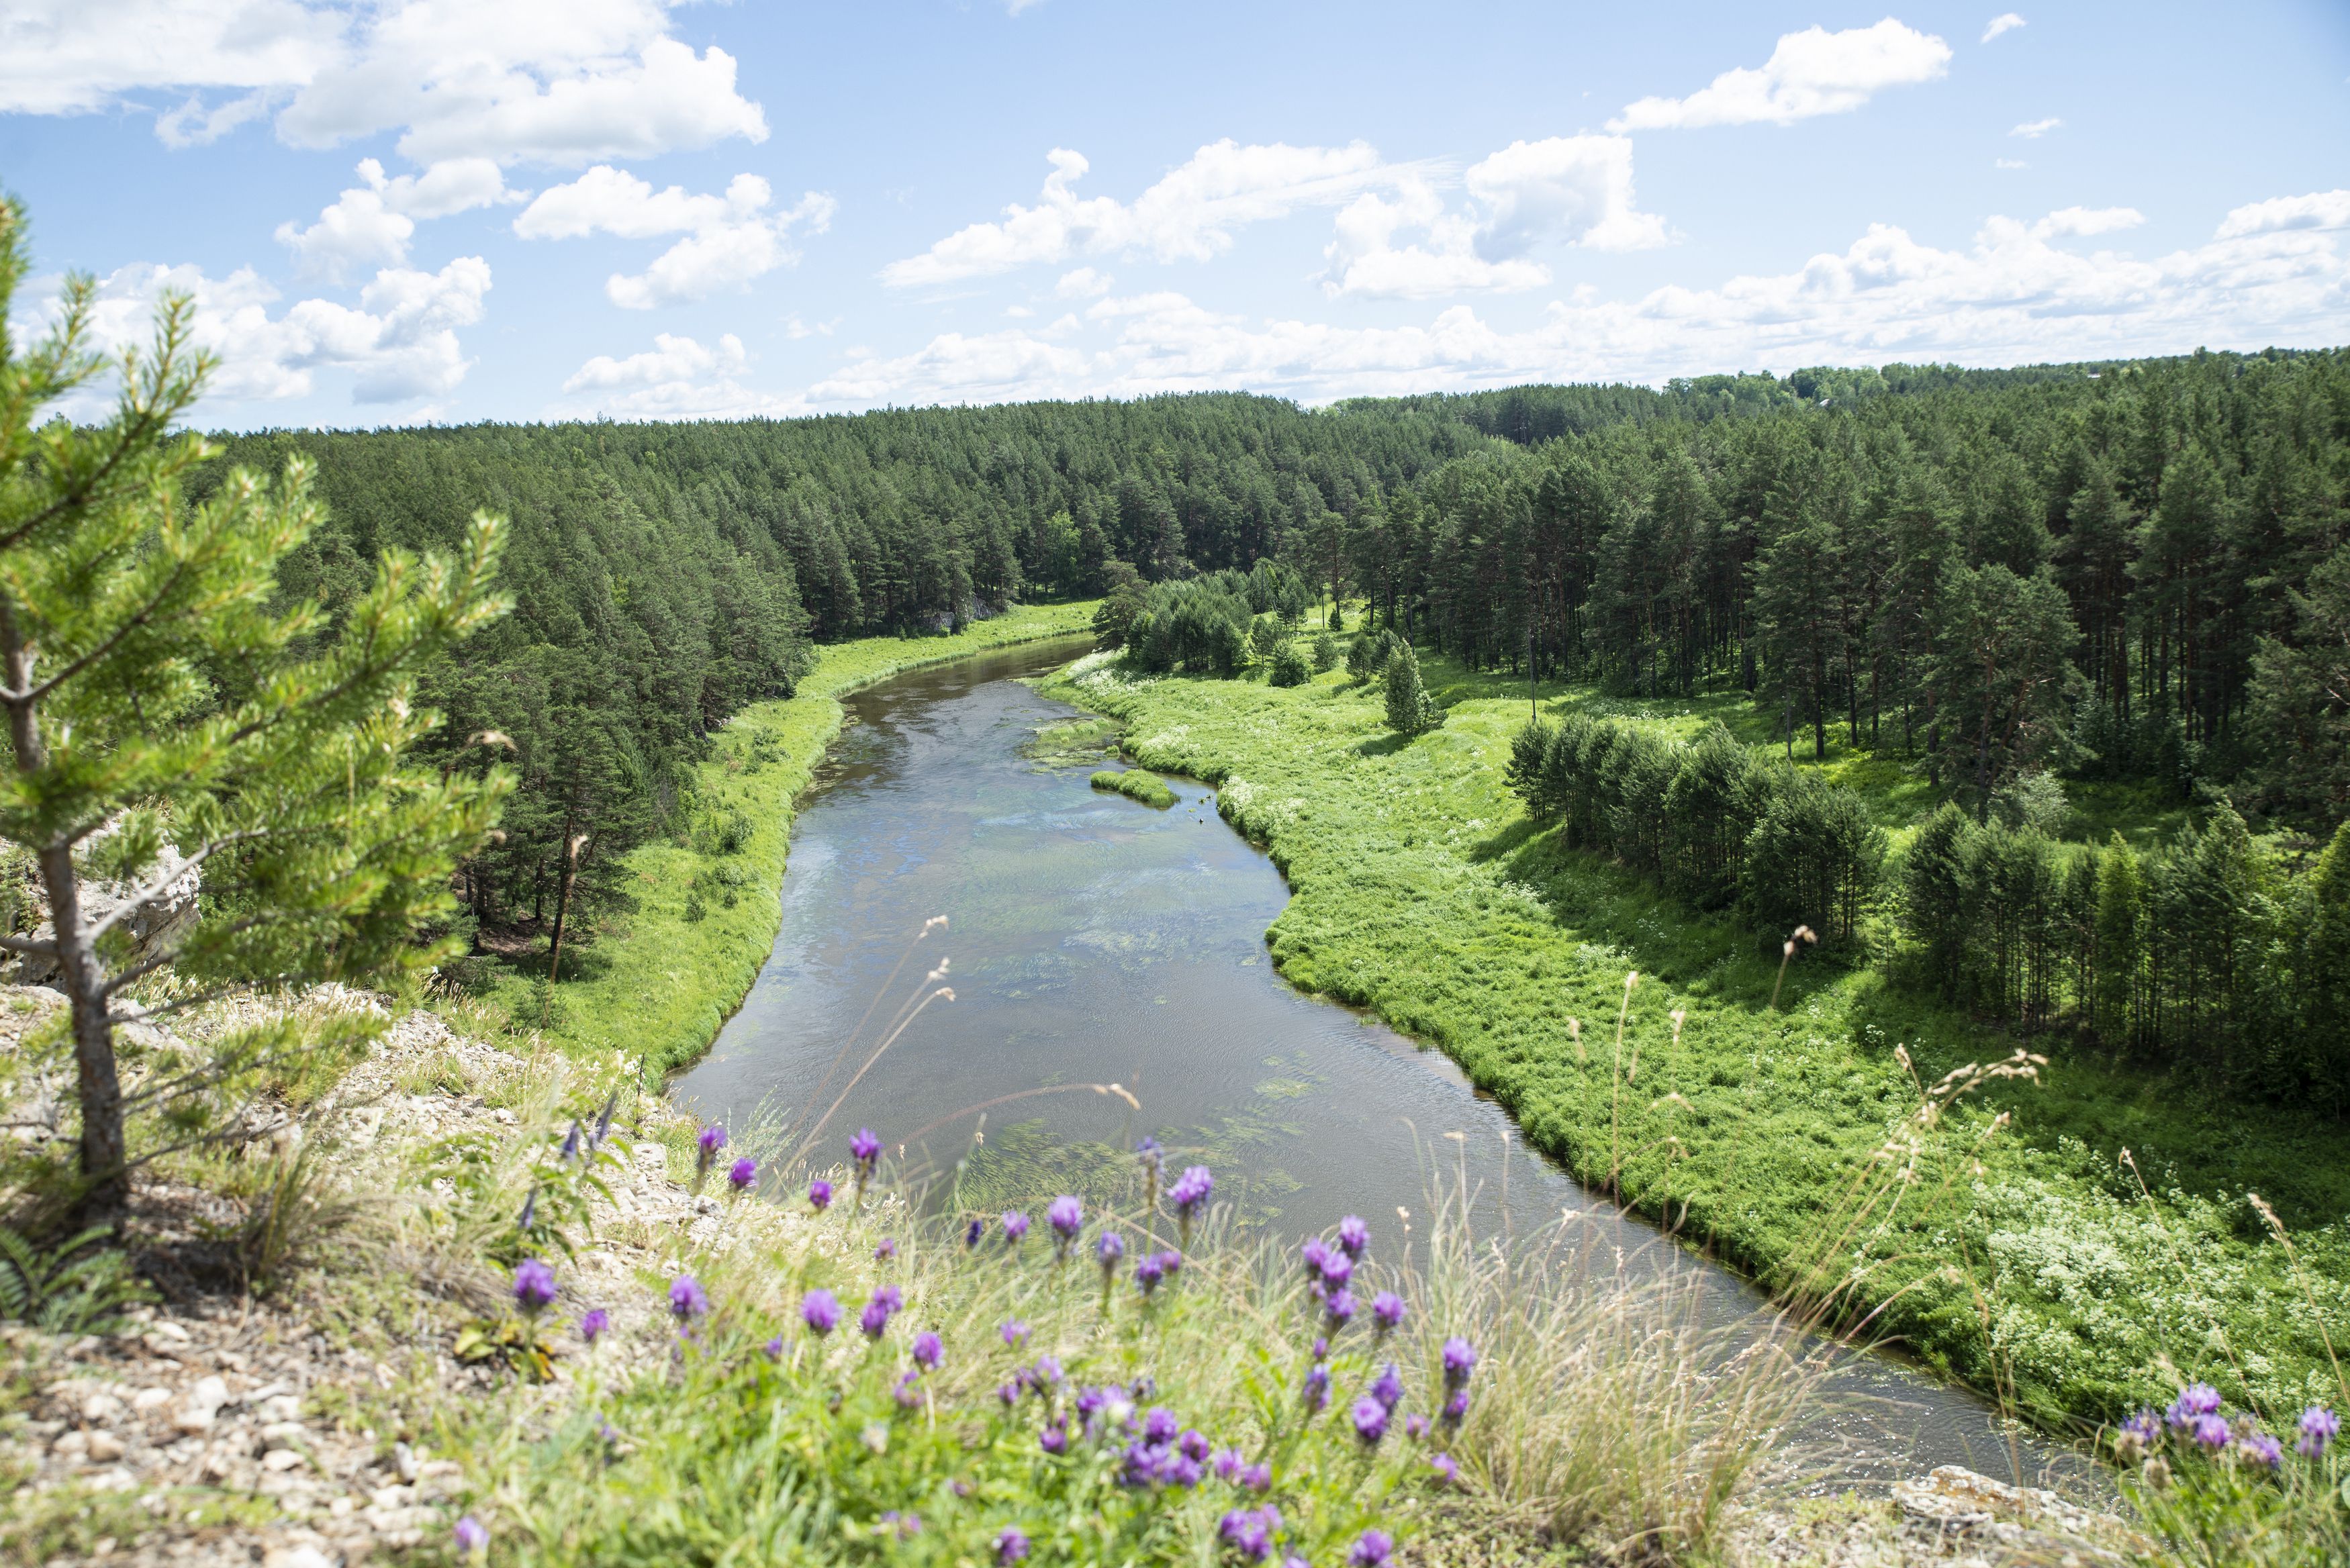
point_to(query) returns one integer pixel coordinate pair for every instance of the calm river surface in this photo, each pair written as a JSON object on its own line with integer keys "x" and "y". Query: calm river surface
{"x": 1094, "y": 938}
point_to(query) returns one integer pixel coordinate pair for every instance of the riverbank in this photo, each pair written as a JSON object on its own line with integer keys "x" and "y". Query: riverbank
{"x": 655, "y": 983}
{"x": 2019, "y": 1257}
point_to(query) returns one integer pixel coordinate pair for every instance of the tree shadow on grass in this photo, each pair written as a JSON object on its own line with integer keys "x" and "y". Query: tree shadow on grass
{"x": 1385, "y": 746}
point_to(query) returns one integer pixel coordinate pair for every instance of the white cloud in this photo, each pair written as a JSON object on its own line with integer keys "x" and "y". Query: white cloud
{"x": 400, "y": 343}
{"x": 2016, "y": 292}
{"x": 2282, "y": 215}
{"x": 671, "y": 358}
{"x": 1809, "y": 73}
{"x": 563, "y": 82}
{"x": 730, "y": 240}
{"x": 1083, "y": 283}
{"x": 2074, "y": 222}
{"x": 2008, "y": 163}
{"x": 373, "y": 223}
{"x": 1188, "y": 215}
{"x": 1572, "y": 190}
{"x": 2034, "y": 129}
{"x": 2005, "y": 21}
{"x": 1013, "y": 7}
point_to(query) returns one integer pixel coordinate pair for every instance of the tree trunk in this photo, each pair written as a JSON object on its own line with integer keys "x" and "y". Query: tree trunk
{"x": 99, "y": 1083}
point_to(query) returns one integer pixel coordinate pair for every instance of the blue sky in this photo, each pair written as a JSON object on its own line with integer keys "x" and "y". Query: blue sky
{"x": 443, "y": 210}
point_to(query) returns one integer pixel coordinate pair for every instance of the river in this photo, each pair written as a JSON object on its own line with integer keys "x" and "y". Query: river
{"x": 1094, "y": 938}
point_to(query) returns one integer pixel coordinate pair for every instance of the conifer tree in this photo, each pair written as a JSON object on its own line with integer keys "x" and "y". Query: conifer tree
{"x": 2121, "y": 945}
{"x": 169, "y": 721}
{"x": 1410, "y": 710}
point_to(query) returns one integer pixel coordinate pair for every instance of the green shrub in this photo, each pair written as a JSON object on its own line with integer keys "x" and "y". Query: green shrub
{"x": 1289, "y": 666}
{"x": 1135, "y": 784}
{"x": 1326, "y": 653}
{"x": 1410, "y": 710}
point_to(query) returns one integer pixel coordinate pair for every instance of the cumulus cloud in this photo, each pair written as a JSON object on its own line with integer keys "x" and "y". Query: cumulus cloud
{"x": 2018, "y": 292}
{"x": 670, "y": 359}
{"x": 2282, "y": 215}
{"x": 1810, "y": 73}
{"x": 2034, "y": 129}
{"x": 563, "y": 82}
{"x": 729, "y": 240}
{"x": 2008, "y": 163}
{"x": 1188, "y": 215}
{"x": 373, "y": 222}
{"x": 1083, "y": 283}
{"x": 1571, "y": 190}
{"x": 2005, "y": 21}
{"x": 400, "y": 343}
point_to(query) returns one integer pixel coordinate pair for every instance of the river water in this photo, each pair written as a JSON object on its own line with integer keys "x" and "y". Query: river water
{"x": 1094, "y": 938}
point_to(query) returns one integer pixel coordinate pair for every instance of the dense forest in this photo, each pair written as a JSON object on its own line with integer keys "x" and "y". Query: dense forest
{"x": 2130, "y": 572}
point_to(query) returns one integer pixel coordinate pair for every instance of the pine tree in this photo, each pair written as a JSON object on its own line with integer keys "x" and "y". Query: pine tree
{"x": 2325, "y": 973}
{"x": 1938, "y": 896}
{"x": 2120, "y": 1012}
{"x": 1289, "y": 666}
{"x": 283, "y": 780}
{"x": 1410, "y": 710}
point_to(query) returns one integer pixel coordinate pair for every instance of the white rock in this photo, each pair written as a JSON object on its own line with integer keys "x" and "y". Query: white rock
{"x": 148, "y": 1399}
{"x": 202, "y": 1405}
{"x": 297, "y": 1557}
{"x": 104, "y": 1448}
{"x": 99, "y": 1408}
{"x": 282, "y": 1459}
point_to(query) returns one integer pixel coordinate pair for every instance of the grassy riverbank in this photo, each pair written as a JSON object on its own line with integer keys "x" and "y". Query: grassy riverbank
{"x": 2024, "y": 1258}
{"x": 658, "y": 981}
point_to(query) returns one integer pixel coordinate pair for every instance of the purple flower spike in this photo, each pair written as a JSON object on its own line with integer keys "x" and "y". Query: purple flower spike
{"x": 928, "y": 1350}
{"x": 1191, "y": 1190}
{"x": 1315, "y": 1254}
{"x": 472, "y": 1538}
{"x": 907, "y": 1390}
{"x": 774, "y": 1348}
{"x": 1009, "y": 1393}
{"x": 711, "y": 1139}
{"x": 1108, "y": 1248}
{"x": 1372, "y": 1551}
{"x": 1248, "y": 1533}
{"x": 1158, "y": 1424}
{"x": 1445, "y": 1470}
{"x": 820, "y": 1310}
{"x": 821, "y": 1195}
{"x": 1336, "y": 1270}
{"x": 865, "y": 1148}
{"x": 1055, "y": 1438}
{"x": 875, "y": 1319}
{"x": 1370, "y": 1420}
{"x": 592, "y": 1326}
{"x": 1228, "y": 1464}
{"x": 1321, "y": 1350}
{"x": 1456, "y": 1406}
{"x": 687, "y": 1299}
{"x": 2319, "y": 1426}
{"x": 1317, "y": 1389}
{"x": 1388, "y": 1387}
{"x": 1014, "y": 1331}
{"x": 744, "y": 1172}
{"x": 1257, "y": 1478}
{"x": 1460, "y": 1361}
{"x": 1149, "y": 1272}
{"x": 1067, "y": 1216}
{"x": 1011, "y": 1547}
{"x": 1354, "y": 1237}
{"x": 887, "y": 1250}
{"x": 1339, "y": 1309}
{"x": 534, "y": 1285}
{"x": 2212, "y": 1431}
{"x": 1415, "y": 1426}
{"x": 973, "y": 1231}
{"x": 2194, "y": 1401}
{"x": 1015, "y": 1225}
{"x": 2263, "y": 1450}
{"x": 1387, "y": 1311}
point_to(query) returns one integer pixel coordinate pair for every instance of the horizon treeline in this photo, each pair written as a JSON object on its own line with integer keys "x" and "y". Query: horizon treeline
{"x": 2134, "y": 569}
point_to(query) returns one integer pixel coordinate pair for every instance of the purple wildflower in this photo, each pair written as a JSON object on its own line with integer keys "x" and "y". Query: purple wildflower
{"x": 1015, "y": 1225}
{"x": 1193, "y": 1444}
{"x": 1443, "y": 1465}
{"x": 1257, "y": 1477}
{"x": 821, "y": 1195}
{"x": 1014, "y": 1331}
{"x": 973, "y": 1231}
{"x": 1337, "y": 1269}
{"x": 1009, "y": 1393}
{"x": 1315, "y": 1253}
{"x": 711, "y": 1139}
{"x": 1339, "y": 1309}
{"x": 1158, "y": 1424}
{"x": 1189, "y": 1192}
{"x": 1387, "y": 1311}
{"x": 1317, "y": 1389}
{"x": 1370, "y": 1420}
{"x": 1067, "y": 1216}
{"x": 743, "y": 1173}
{"x": 906, "y": 1393}
{"x": 2319, "y": 1426}
{"x": 1372, "y": 1551}
{"x": 2195, "y": 1400}
{"x": 570, "y": 1142}
{"x": 2212, "y": 1431}
{"x": 2263, "y": 1450}
{"x": 886, "y": 1250}
{"x": 1388, "y": 1389}
{"x": 1248, "y": 1533}
{"x": 2145, "y": 1427}
{"x": 1055, "y": 1438}
{"x": 1108, "y": 1248}
{"x": 1415, "y": 1426}
{"x": 472, "y": 1538}
{"x": 1171, "y": 1261}
{"x": 820, "y": 1310}
{"x": 1354, "y": 1237}
{"x": 1149, "y": 1272}
{"x": 1460, "y": 1361}
{"x": 774, "y": 1348}
{"x": 1011, "y": 1546}
{"x": 534, "y": 1285}
{"x": 687, "y": 1299}
{"x": 1152, "y": 1160}
{"x": 875, "y": 1319}
{"x": 1321, "y": 1349}
{"x": 928, "y": 1350}
{"x": 1045, "y": 1373}
{"x": 864, "y": 1149}
{"x": 1227, "y": 1464}
{"x": 1456, "y": 1406}
{"x": 594, "y": 1325}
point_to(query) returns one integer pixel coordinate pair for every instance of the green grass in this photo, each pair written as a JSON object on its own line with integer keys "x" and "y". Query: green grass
{"x": 1135, "y": 784}
{"x": 1421, "y": 892}
{"x": 653, "y": 984}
